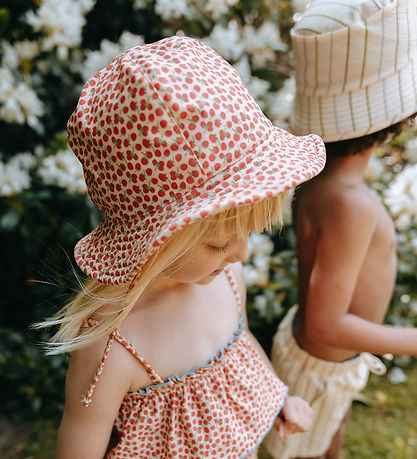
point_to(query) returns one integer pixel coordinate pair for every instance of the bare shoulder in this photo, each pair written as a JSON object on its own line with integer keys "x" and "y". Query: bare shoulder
{"x": 114, "y": 379}
{"x": 349, "y": 206}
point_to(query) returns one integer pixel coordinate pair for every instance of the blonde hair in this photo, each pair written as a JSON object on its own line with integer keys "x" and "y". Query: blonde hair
{"x": 114, "y": 302}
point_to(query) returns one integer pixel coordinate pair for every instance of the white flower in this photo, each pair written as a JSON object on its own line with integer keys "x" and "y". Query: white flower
{"x": 14, "y": 175}
{"x": 396, "y": 376}
{"x": 255, "y": 276}
{"x": 31, "y": 106}
{"x": 139, "y": 4}
{"x": 20, "y": 51}
{"x": 63, "y": 170}
{"x": 10, "y": 59}
{"x": 86, "y": 5}
{"x": 61, "y": 22}
{"x": 401, "y": 196}
{"x": 173, "y": 9}
{"x": 261, "y": 261}
{"x": 260, "y": 244}
{"x": 277, "y": 306}
{"x": 6, "y": 81}
{"x": 413, "y": 243}
{"x": 403, "y": 222}
{"x": 374, "y": 169}
{"x": 11, "y": 112}
{"x": 280, "y": 105}
{"x": 410, "y": 152}
{"x": 27, "y": 50}
{"x": 260, "y": 303}
{"x": 23, "y": 160}
{"x": 262, "y": 43}
{"x": 219, "y": 7}
{"x": 20, "y": 103}
{"x": 256, "y": 86}
{"x": 226, "y": 40}
{"x": 97, "y": 60}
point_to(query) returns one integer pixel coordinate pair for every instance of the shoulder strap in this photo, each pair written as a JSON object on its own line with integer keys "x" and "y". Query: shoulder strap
{"x": 88, "y": 397}
{"x": 232, "y": 280}
{"x": 115, "y": 335}
{"x": 156, "y": 379}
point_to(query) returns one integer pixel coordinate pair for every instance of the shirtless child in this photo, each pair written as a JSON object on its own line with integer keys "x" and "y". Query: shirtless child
{"x": 349, "y": 91}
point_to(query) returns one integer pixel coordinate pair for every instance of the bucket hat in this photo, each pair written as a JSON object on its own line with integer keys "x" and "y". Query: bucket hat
{"x": 168, "y": 134}
{"x": 355, "y": 66}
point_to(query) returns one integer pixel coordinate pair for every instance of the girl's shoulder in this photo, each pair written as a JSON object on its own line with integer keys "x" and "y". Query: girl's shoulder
{"x": 96, "y": 362}
{"x": 103, "y": 371}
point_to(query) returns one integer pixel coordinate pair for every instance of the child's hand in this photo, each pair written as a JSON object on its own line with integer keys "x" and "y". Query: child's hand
{"x": 295, "y": 416}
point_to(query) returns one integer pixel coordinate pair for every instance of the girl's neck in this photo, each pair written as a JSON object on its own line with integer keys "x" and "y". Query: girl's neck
{"x": 163, "y": 283}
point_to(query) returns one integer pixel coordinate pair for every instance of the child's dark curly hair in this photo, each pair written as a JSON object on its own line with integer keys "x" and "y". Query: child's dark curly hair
{"x": 358, "y": 144}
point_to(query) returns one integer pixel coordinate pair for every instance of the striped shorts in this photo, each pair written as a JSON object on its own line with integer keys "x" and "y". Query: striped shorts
{"x": 329, "y": 388}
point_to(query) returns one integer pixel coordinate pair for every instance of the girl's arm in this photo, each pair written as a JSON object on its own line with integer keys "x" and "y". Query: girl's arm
{"x": 85, "y": 431}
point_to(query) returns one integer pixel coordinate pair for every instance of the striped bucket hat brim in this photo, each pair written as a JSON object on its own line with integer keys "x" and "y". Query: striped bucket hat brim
{"x": 356, "y": 67}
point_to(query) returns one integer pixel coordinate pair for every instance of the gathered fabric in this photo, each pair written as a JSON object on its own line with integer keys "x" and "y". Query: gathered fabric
{"x": 222, "y": 409}
{"x": 329, "y": 388}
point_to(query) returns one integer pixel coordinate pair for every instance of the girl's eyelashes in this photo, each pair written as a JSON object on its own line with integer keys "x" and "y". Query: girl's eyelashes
{"x": 217, "y": 249}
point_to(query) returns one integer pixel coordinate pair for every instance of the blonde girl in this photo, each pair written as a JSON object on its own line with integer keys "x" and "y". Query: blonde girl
{"x": 183, "y": 165}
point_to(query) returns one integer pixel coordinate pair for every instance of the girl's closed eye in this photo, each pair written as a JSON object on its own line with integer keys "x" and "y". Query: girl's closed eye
{"x": 216, "y": 248}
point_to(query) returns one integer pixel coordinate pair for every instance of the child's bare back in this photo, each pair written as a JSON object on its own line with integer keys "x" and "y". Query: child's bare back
{"x": 345, "y": 58}
{"x": 344, "y": 235}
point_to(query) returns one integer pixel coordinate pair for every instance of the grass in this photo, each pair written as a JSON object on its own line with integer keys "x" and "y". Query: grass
{"x": 386, "y": 426}
{"x": 383, "y": 425}
{"x": 32, "y": 441}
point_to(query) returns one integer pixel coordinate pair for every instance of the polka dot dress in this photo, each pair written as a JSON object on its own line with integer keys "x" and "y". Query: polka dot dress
{"x": 220, "y": 410}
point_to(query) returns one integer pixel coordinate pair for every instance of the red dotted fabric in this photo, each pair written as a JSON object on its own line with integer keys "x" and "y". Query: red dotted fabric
{"x": 168, "y": 134}
{"x": 221, "y": 410}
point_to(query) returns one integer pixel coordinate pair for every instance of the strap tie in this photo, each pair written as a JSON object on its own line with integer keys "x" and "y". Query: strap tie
{"x": 375, "y": 365}
{"x": 87, "y": 399}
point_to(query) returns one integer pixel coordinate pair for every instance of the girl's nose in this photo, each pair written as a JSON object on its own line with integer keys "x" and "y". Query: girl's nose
{"x": 240, "y": 252}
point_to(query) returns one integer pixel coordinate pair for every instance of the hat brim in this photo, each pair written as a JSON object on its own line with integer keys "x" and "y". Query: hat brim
{"x": 348, "y": 115}
{"x": 114, "y": 252}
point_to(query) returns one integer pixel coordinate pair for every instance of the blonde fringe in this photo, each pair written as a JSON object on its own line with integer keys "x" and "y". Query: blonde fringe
{"x": 110, "y": 304}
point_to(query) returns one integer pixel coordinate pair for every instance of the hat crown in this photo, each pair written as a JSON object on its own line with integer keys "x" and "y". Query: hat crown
{"x": 352, "y": 44}
{"x": 159, "y": 121}
{"x": 355, "y": 67}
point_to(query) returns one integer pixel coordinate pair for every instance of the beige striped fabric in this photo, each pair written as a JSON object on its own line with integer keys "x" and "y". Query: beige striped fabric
{"x": 355, "y": 67}
{"x": 329, "y": 388}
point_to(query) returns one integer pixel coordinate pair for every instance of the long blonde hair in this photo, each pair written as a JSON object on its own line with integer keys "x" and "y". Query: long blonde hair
{"x": 120, "y": 299}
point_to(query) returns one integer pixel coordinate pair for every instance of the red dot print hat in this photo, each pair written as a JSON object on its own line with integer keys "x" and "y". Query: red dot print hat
{"x": 168, "y": 134}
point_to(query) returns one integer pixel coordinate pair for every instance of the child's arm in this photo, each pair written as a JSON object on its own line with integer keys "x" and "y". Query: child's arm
{"x": 343, "y": 242}
{"x": 85, "y": 431}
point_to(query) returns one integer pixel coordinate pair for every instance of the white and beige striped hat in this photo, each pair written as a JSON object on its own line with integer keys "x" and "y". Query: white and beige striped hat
{"x": 355, "y": 66}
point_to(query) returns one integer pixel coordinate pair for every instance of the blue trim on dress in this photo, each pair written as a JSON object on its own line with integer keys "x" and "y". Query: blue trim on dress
{"x": 215, "y": 358}
{"x": 269, "y": 428}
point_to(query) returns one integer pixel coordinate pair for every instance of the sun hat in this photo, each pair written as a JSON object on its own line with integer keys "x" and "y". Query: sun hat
{"x": 355, "y": 67}
{"x": 168, "y": 134}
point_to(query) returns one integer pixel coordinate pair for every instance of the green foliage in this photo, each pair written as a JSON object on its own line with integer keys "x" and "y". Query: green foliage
{"x": 30, "y": 383}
